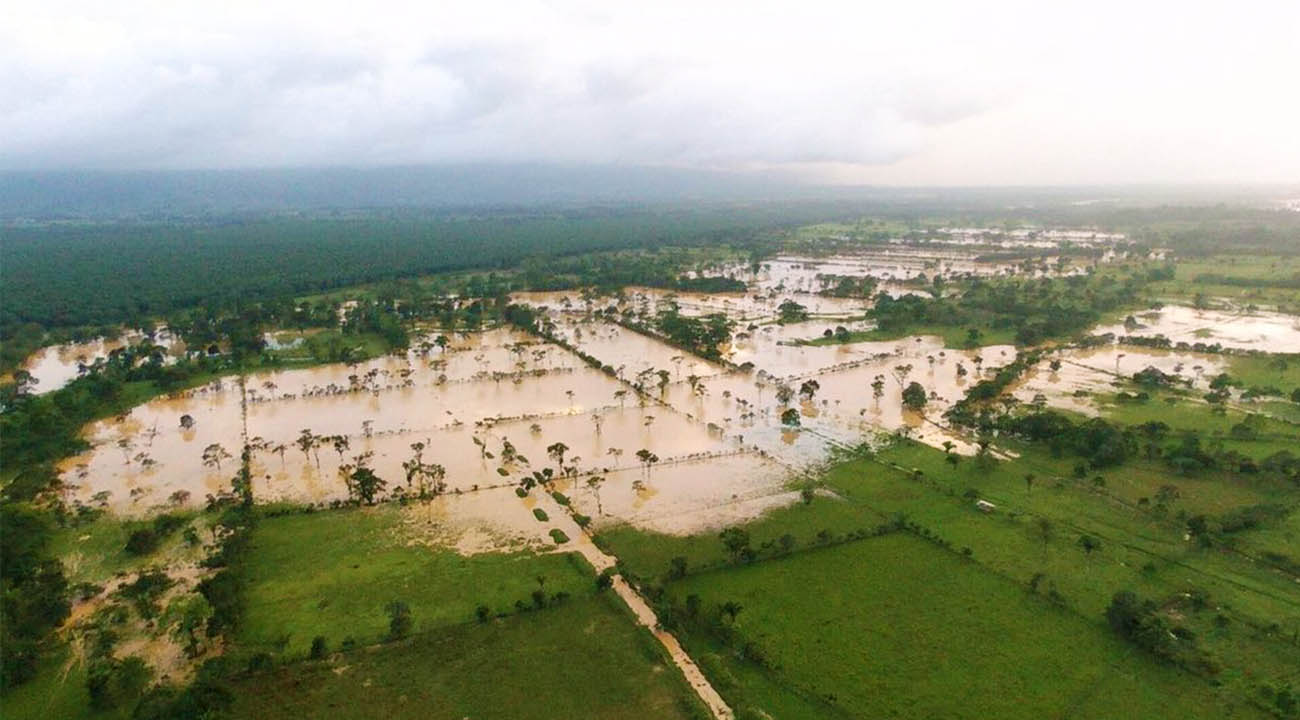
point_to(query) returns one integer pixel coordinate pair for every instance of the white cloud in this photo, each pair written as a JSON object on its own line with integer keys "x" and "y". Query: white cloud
{"x": 923, "y": 92}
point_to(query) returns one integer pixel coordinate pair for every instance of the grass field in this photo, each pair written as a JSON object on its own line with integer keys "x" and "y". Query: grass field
{"x": 1262, "y": 268}
{"x": 1184, "y": 412}
{"x": 96, "y": 551}
{"x": 52, "y": 693}
{"x": 1259, "y": 370}
{"x": 954, "y": 336}
{"x": 584, "y": 659}
{"x": 332, "y": 573}
{"x": 898, "y": 627}
{"x": 1036, "y": 530}
{"x": 649, "y": 554}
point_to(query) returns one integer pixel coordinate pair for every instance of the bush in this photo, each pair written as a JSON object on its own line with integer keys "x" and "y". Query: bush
{"x": 483, "y": 613}
{"x": 558, "y": 536}
{"x": 145, "y": 591}
{"x": 260, "y": 661}
{"x": 112, "y": 682}
{"x": 142, "y": 542}
{"x": 399, "y": 620}
{"x": 560, "y": 498}
{"x": 318, "y": 647}
{"x": 540, "y": 514}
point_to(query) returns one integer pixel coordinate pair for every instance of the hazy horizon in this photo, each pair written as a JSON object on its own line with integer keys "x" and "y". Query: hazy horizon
{"x": 934, "y": 94}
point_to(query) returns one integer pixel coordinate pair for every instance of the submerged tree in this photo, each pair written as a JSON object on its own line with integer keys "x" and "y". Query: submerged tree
{"x": 593, "y": 483}
{"x": 914, "y": 396}
{"x": 214, "y": 454}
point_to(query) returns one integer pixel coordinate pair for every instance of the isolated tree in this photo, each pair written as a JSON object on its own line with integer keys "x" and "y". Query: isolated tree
{"x": 914, "y": 396}
{"x": 214, "y": 454}
{"x": 364, "y": 484}
{"x": 341, "y": 445}
{"x": 790, "y": 418}
{"x": 736, "y": 541}
{"x": 556, "y": 451}
{"x": 878, "y": 388}
{"x": 677, "y": 567}
{"x": 731, "y": 609}
{"x": 1089, "y": 544}
{"x": 593, "y": 483}
{"x": 399, "y": 619}
{"x": 305, "y": 442}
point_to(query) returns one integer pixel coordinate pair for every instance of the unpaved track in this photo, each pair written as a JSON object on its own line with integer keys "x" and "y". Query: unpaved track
{"x": 561, "y": 518}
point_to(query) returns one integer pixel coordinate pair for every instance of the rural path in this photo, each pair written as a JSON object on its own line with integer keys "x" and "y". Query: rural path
{"x": 581, "y": 540}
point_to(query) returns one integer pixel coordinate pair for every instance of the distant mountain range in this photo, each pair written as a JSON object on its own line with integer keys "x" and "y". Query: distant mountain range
{"x": 109, "y": 195}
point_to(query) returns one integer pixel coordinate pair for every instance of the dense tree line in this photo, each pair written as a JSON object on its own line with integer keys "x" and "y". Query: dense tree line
{"x": 703, "y": 336}
{"x": 1038, "y": 309}
{"x": 656, "y": 267}
{"x": 77, "y": 275}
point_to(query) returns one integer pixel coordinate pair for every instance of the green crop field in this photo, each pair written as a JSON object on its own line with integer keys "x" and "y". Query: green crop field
{"x": 584, "y": 659}
{"x": 333, "y": 573}
{"x": 901, "y": 628}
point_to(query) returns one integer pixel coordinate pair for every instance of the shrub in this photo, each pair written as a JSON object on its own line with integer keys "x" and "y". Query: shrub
{"x": 113, "y": 683}
{"x": 558, "y": 536}
{"x": 540, "y": 514}
{"x": 483, "y": 613}
{"x": 318, "y": 647}
{"x": 399, "y": 620}
{"x": 560, "y": 498}
{"x": 142, "y": 542}
{"x": 145, "y": 591}
{"x": 260, "y": 661}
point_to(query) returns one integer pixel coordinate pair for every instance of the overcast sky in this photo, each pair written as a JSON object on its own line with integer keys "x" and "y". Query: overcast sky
{"x": 917, "y": 92}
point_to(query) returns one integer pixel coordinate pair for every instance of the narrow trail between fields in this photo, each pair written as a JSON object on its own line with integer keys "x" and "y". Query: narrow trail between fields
{"x": 561, "y": 518}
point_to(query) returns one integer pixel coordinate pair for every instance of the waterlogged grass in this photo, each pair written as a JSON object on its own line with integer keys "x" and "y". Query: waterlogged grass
{"x": 1185, "y": 413}
{"x": 54, "y": 693}
{"x": 1264, "y": 371}
{"x": 1262, "y": 268}
{"x": 332, "y": 574}
{"x": 584, "y": 659}
{"x": 954, "y": 336}
{"x": 898, "y": 627}
{"x": 649, "y": 554}
{"x": 1034, "y": 529}
{"x": 95, "y": 551}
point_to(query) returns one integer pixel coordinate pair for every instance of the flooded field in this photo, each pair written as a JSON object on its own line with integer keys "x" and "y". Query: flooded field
{"x": 1084, "y": 372}
{"x": 677, "y": 443}
{"x": 1265, "y": 331}
{"x": 54, "y": 366}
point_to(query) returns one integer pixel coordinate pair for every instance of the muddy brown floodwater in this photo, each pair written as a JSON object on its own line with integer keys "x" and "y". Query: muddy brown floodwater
{"x": 1088, "y": 371}
{"x": 699, "y": 448}
{"x": 1266, "y": 331}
